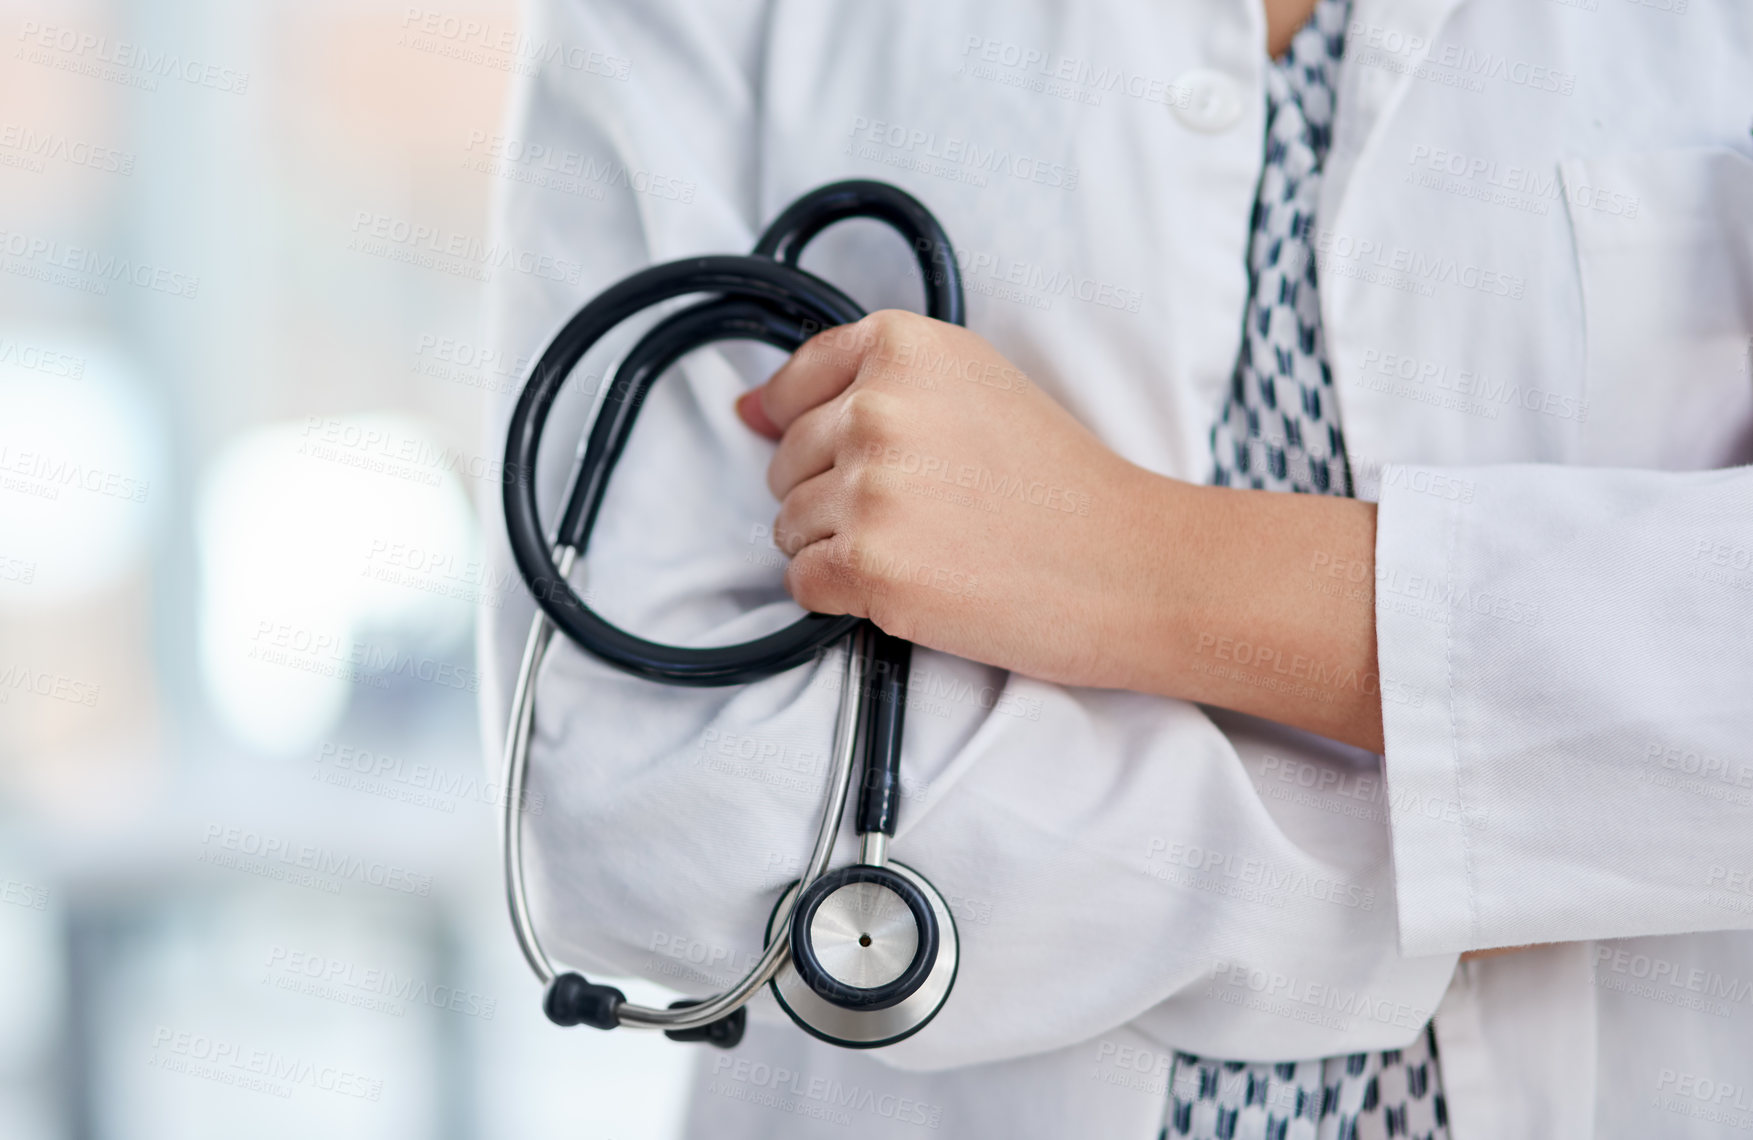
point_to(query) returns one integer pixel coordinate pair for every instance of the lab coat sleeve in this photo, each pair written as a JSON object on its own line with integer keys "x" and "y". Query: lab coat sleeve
{"x": 1567, "y": 671}
{"x": 1105, "y": 854}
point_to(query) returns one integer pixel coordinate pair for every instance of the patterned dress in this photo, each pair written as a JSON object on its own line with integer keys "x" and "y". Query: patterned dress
{"x": 1278, "y": 430}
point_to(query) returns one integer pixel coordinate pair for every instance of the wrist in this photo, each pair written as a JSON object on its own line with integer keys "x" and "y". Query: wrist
{"x": 1154, "y": 543}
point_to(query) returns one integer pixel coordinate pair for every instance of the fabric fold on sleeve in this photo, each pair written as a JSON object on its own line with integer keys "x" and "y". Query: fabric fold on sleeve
{"x": 1566, "y": 664}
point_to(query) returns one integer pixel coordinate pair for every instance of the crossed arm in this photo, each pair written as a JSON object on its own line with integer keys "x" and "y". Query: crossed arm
{"x": 926, "y": 484}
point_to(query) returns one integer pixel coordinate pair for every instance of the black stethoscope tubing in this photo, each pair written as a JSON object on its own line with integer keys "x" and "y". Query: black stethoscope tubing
{"x": 763, "y": 297}
{"x": 757, "y": 298}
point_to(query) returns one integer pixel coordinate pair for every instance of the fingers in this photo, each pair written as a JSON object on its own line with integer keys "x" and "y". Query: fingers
{"x": 749, "y": 411}
{"x": 810, "y": 513}
{"x": 824, "y": 367}
{"x": 807, "y": 449}
{"x": 817, "y": 579}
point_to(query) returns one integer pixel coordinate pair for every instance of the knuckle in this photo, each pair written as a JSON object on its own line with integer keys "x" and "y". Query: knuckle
{"x": 779, "y": 469}
{"x": 784, "y": 533}
{"x": 885, "y": 321}
{"x": 888, "y": 616}
{"x": 866, "y": 497}
{"x": 817, "y": 579}
{"x": 865, "y": 418}
{"x": 886, "y": 330}
{"x": 801, "y": 583}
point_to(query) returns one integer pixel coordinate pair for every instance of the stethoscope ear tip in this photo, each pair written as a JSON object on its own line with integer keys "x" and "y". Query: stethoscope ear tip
{"x": 573, "y": 1000}
{"x": 726, "y": 1032}
{"x": 875, "y": 954}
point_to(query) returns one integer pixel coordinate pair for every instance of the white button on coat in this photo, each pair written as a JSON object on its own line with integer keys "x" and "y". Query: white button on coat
{"x": 1207, "y": 100}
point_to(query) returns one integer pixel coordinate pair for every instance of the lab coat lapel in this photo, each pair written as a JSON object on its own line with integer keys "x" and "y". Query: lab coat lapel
{"x": 1367, "y": 94}
{"x": 1367, "y": 97}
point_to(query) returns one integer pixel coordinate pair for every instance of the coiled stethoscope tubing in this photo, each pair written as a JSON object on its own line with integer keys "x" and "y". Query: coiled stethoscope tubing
{"x": 764, "y": 297}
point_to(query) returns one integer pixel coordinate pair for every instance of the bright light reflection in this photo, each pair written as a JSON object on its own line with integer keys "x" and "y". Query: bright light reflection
{"x": 81, "y": 469}
{"x": 327, "y": 547}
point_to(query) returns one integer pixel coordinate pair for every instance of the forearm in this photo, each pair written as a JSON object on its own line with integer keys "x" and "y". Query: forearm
{"x": 1259, "y": 602}
{"x": 1151, "y": 584}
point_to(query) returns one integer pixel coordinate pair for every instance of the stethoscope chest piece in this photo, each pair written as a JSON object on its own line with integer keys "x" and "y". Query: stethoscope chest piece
{"x": 869, "y": 955}
{"x": 873, "y": 957}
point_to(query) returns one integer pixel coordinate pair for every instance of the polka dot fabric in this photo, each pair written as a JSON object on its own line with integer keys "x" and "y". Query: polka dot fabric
{"x": 1279, "y": 431}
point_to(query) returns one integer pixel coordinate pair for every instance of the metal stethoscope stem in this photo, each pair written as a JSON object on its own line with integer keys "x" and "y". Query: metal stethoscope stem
{"x": 838, "y": 972}
{"x": 517, "y": 750}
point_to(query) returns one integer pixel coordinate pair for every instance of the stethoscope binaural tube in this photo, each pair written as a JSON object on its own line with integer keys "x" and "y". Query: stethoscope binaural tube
{"x": 765, "y": 298}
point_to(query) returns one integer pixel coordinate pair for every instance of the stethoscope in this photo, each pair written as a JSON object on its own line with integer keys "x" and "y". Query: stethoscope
{"x": 860, "y": 956}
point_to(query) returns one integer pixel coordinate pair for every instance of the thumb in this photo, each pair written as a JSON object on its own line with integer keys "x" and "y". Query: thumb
{"x": 750, "y": 411}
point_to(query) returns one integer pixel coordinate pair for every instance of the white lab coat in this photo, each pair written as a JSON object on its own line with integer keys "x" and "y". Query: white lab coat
{"x": 1536, "y": 264}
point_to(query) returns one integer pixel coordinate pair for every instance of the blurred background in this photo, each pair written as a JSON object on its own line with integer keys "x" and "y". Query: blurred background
{"x": 248, "y": 870}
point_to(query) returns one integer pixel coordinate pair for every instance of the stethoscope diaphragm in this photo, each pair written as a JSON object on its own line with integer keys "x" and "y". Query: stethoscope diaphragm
{"x": 874, "y": 952}
{"x": 875, "y": 957}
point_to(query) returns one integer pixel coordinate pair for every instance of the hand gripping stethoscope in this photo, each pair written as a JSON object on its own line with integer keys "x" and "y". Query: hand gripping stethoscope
{"x": 861, "y": 956}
